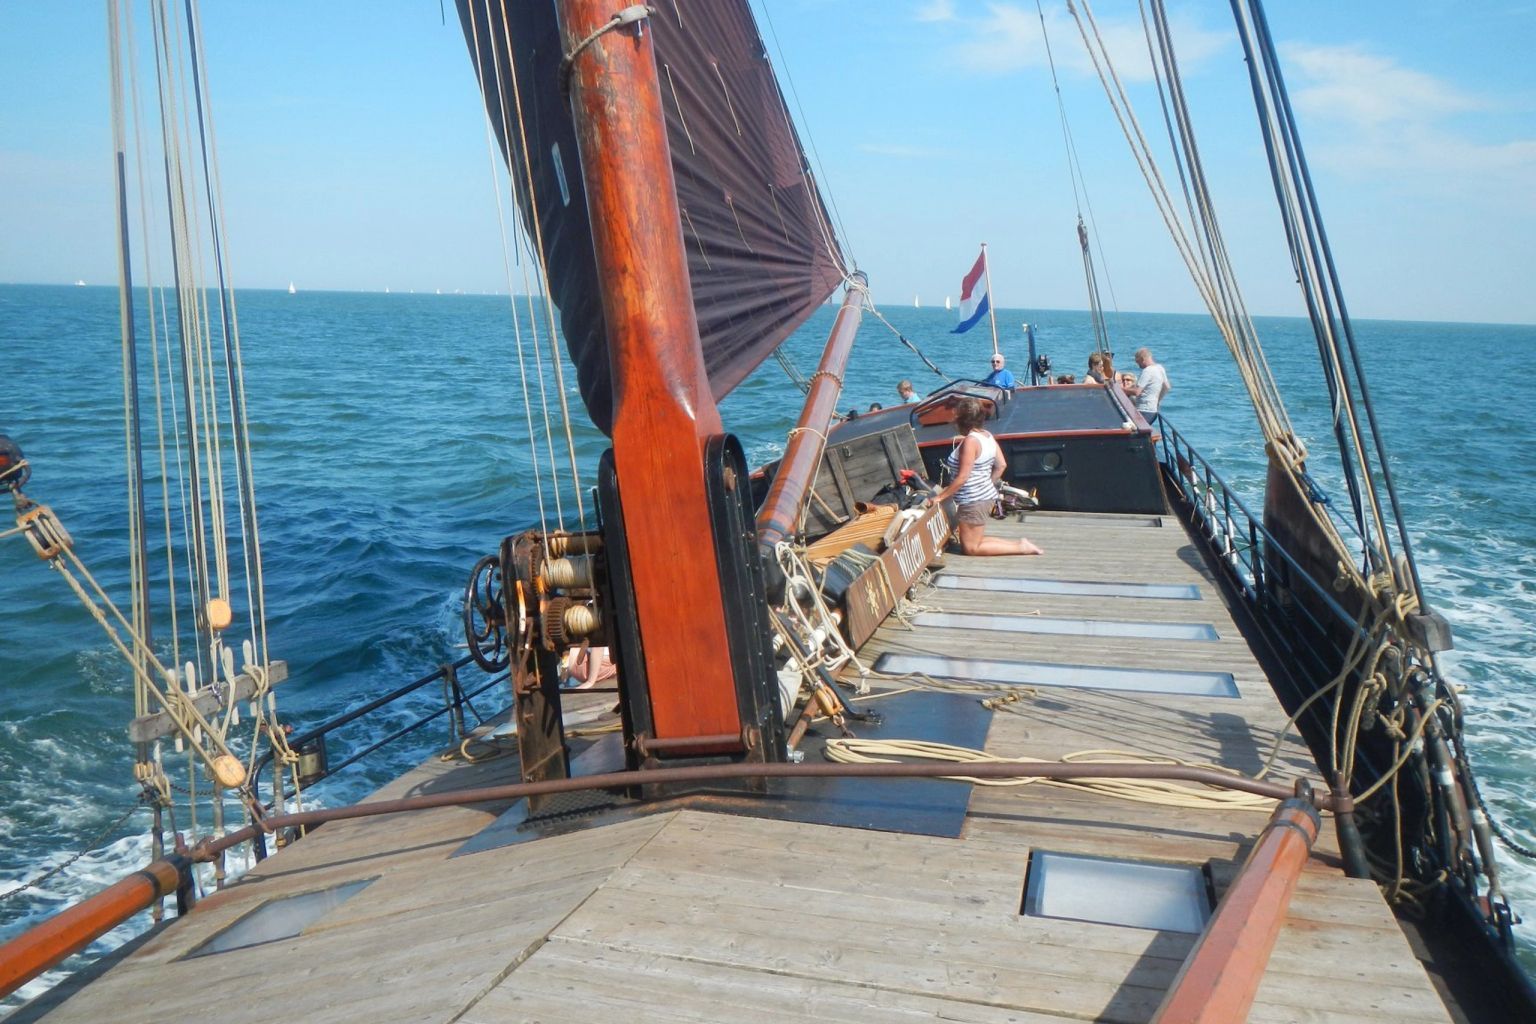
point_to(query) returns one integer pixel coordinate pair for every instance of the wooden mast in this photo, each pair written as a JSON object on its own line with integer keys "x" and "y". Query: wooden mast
{"x": 664, "y": 412}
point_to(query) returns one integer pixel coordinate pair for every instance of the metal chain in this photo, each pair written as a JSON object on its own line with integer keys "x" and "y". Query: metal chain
{"x": 1514, "y": 845}
{"x": 89, "y": 847}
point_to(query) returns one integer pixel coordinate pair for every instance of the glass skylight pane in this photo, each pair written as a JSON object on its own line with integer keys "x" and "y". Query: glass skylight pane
{"x": 1088, "y": 677}
{"x": 1075, "y": 588}
{"x": 1069, "y": 627}
{"x": 1056, "y": 517}
{"x": 280, "y": 919}
{"x": 1135, "y": 894}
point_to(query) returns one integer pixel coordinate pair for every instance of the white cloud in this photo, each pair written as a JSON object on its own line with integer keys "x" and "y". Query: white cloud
{"x": 937, "y": 10}
{"x": 1368, "y": 116}
{"x": 1351, "y": 84}
{"x": 1007, "y": 38}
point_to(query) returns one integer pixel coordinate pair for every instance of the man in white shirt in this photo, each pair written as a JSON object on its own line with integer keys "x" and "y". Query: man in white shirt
{"x": 1150, "y": 387}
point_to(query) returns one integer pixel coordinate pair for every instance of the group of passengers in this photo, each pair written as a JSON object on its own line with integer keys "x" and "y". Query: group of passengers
{"x": 976, "y": 465}
{"x": 1148, "y": 388}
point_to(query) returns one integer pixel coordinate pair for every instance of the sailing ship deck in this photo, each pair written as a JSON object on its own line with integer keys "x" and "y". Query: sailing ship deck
{"x": 698, "y": 916}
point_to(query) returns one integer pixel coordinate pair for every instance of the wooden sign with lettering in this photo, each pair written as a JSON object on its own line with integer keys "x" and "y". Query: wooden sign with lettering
{"x": 874, "y": 594}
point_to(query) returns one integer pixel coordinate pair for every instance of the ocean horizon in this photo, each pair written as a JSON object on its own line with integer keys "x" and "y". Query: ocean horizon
{"x": 883, "y": 305}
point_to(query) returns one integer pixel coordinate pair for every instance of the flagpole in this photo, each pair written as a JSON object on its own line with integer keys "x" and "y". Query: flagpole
{"x": 986, "y": 268}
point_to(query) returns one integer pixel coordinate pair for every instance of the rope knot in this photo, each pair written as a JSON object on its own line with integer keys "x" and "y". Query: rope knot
{"x": 631, "y": 15}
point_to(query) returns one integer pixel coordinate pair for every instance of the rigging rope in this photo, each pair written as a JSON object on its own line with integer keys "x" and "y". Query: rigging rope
{"x": 869, "y": 304}
{"x": 211, "y": 412}
{"x": 1383, "y": 586}
{"x": 1320, "y": 281}
{"x": 506, "y": 259}
{"x": 1079, "y": 197}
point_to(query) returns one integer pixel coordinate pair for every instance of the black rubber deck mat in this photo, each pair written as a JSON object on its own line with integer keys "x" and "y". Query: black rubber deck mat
{"x": 931, "y": 807}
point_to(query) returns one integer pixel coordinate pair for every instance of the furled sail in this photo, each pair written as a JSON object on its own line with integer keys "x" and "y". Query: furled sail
{"x": 761, "y": 252}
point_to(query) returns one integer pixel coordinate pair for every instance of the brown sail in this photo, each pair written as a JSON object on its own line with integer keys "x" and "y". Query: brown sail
{"x": 761, "y": 252}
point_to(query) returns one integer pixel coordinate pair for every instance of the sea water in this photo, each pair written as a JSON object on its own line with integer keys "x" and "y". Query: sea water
{"x": 390, "y": 447}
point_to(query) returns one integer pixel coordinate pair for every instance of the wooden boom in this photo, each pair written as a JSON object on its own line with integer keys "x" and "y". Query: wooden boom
{"x": 797, "y": 469}
{"x": 50, "y": 943}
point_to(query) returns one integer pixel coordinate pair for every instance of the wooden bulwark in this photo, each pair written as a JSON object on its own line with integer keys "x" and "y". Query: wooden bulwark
{"x": 694, "y": 916}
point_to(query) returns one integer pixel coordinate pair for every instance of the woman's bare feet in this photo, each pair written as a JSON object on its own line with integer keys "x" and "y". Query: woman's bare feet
{"x": 1028, "y": 547}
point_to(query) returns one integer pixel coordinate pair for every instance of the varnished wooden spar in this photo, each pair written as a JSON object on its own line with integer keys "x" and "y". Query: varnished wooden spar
{"x": 50, "y": 943}
{"x": 664, "y": 411}
{"x": 1222, "y": 973}
{"x": 776, "y": 519}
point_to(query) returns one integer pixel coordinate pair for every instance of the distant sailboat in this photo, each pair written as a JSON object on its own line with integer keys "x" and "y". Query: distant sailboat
{"x": 291, "y": 289}
{"x": 917, "y": 302}
{"x": 80, "y": 283}
{"x": 946, "y": 302}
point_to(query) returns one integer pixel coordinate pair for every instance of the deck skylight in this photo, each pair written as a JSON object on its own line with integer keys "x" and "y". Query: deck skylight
{"x": 1087, "y": 677}
{"x": 1069, "y": 627}
{"x": 1072, "y": 588}
{"x": 1134, "y": 894}
{"x": 280, "y": 919}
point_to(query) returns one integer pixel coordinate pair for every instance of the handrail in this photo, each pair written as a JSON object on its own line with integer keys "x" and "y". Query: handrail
{"x": 68, "y": 932}
{"x": 797, "y": 469}
{"x": 1222, "y": 973}
{"x": 452, "y": 705}
{"x": 1171, "y": 441}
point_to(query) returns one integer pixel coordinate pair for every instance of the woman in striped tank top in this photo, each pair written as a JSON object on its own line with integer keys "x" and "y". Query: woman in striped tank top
{"x": 975, "y": 467}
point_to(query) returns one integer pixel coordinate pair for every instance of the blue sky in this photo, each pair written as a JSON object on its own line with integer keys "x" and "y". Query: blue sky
{"x": 353, "y": 148}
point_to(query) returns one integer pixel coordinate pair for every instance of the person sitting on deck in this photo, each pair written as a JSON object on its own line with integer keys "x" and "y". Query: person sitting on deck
{"x": 999, "y": 377}
{"x": 1066, "y": 378}
{"x": 1095, "y": 372}
{"x": 907, "y": 392}
{"x": 586, "y": 666}
{"x": 975, "y": 467}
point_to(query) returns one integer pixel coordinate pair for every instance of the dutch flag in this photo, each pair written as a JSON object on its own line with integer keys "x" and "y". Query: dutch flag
{"x": 974, "y": 301}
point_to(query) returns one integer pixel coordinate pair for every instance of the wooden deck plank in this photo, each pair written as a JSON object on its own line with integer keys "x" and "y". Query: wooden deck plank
{"x": 564, "y": 982}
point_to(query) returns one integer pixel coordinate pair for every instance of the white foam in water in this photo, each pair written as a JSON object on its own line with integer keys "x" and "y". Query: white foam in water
{"x": 1486, "y": 595}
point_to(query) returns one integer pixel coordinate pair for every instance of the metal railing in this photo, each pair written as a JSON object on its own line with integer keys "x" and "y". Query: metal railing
{"x": 455, "y": 700}
{"x": 1310, "y": 629}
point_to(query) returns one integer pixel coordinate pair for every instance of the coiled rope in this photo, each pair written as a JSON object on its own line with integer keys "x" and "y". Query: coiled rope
{"x": 1160, "y": 792}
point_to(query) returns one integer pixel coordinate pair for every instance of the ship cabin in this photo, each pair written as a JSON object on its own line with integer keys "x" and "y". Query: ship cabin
{"x": 1075, "y": 447}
